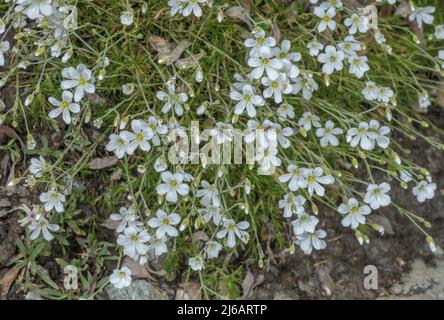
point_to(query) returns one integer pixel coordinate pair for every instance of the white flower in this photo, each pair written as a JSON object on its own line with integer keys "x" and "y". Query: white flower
{"x": 192, "y": 6}
{"x": 283, "y": 53}
{"x": 53, "y": 199}
{"x": 117, "y": 144}
{"x": 158, "y": 245}
{"x": 127, "y": 218}
{"x": 242, "y": 81}
{"x": 331, "y": 60}
{"x": 231, "y": 230}
{"x": 127, "y": 18}
{"x": 379, "y": 37}
{"x": 350, "y": 46}
{"x": 331, "y": 4}
{"x": 64, "y": 107}
{"x": 358, "y": 65}
{"x": 247, "y": 100}
{"x": 128, "y": 89}
{"x": 355, "y": 214}
{"x": 328, "y": 134}
{"x": 314, "y": 47}
{"x": 308, "y": 120}
{"x": 267, "y": 158}
{"x": 158, "y": 129}
{"x": 160, "y": 165}
{"x": 172, "y": 100}
{"x": 80, "y": 78}
{"x": 208, "y": 194}
{"x": 304, "y": 223}
{"x": 172, "y": 186}
{"x": 4, "y": 47}
{"x": 362, "y": 136}
{"x": 42, "y": 225}
{"x": 164, "y": 223}
{"x": 326, "y": 18}
{"x": 176, "y": 6}
{"x": 405, "y": 176}
{"x": 384, "y": 94}
{"x": 311, "y": 240}
{"x": 38, "y": 166}
{"x": 222, "y": 133}
{"x": 276, "y": 87}
{"x": 259, "y": 43}
{"x": 133, "y": 241}
{"x": 211, "y": 212}
{"x": 370, "y": 92}
{"x": 424, "y": 190}
{"x": 34, "y": 9}
{"x": 356, "y": 22}
{"x": 307, "y": 85}
{"x": 381, "y": 133}
{"x": 120, "y": 278}
{"x": 276, "y": 132}
{"x": 212, "y": 248}
{"x": 439, "y": 32}
{"x": 424, "y": 101}
{"x": 292, "y": 204}
{"x": 139, "y": 138}
{"x": 32, "y": 215}
{"x": 285, "y": 111}
{"x": 376, "y": 195}
{"x": 196, "y": 263}
{"x": 423, "y": 15}
{"x": 265, "y": 62}
{"x": 294, "y": 177}
{"x": 314, "y": 179}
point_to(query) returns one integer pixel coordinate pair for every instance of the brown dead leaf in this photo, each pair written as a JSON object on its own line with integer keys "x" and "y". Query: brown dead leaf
{"x": 102, "y": 163}
{"x": 7, "y": 131}
{"x": 175, "y": 54}
{"x": 403, "y": 9}
{"x": 137, "y": 270}
{"x": 247, "y": 285}
{"x": 239, "y": 13}
{"x": 276, "y": 32}
{"x": 191, "y": 61}
{"x": 161, "y": 45}
{"x": 110, "y": 224}
{"x": 194, "y": 291}
{"x": 7, "y": 281}
{"x": 199, "y": 235}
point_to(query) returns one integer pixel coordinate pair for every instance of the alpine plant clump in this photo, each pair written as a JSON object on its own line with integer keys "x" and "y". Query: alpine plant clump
{"x": 205, "y": 130}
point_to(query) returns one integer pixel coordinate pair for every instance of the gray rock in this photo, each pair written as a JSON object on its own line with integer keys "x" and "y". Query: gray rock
{"x": 423, "y": 282}
{"x": 138, "y": 290}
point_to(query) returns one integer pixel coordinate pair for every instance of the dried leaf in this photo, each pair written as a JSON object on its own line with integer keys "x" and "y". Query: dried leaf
{"x": 193, "y": 290}
{"x": 102, "y": 163}
{"x": 239, "y": 13}
{"x": 110, "y": 224}
{"x": 199, "y": 235}
{"x": 276, "y": 32}
{"x": 138, "y": 271}
{"x": 7, "y": 281}
{"x": 174, "y": 55}
{"x": 403, "y": 9}
{"x": 247, "y": 285}
{"x": 161, "y": 45}
{"x": 191, "y": 61}
{"x": 7, "y": 131}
